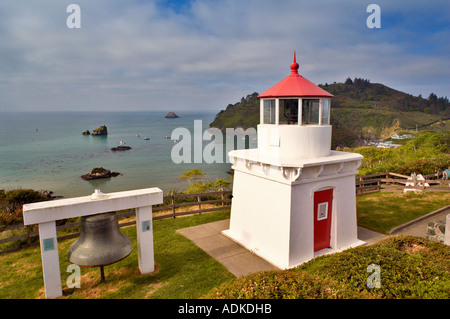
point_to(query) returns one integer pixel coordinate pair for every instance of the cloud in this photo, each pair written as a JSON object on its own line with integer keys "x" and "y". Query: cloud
{"x": 206, "y": 54}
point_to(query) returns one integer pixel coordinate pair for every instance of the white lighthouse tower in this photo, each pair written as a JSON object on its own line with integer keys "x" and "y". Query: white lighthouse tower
{"x": 293, "y": 197}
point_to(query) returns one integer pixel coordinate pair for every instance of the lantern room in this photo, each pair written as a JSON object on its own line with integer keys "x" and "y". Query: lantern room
{"x": 295, "y": 118}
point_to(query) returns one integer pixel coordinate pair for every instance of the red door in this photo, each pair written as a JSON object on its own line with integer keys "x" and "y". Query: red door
{"x": 322, "y": 218}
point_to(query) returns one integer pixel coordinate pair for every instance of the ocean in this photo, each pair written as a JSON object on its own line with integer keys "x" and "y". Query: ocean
{"x": 46, "y": 151}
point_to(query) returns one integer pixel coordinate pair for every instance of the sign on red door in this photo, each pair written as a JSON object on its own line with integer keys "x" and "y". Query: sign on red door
{"x": 322, "y": 218}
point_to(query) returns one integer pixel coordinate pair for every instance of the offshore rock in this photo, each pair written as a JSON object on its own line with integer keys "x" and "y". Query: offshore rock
{"x": 101, "y": 130}
{"x": 99, "y": 172}
{"x": 121, "y": 148}
{"x": 171, "y": 115}
{"x": 86, "y": 132}
{"x": 49, "y": 194}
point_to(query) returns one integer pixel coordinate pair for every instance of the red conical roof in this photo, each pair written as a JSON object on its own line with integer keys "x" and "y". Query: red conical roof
{"x": 295, "y": 86}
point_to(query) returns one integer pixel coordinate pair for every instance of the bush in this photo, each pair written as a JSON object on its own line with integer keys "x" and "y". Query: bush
{"x": 98, "y": 170}
{"x": 23, "y": 196}
{"x": 425, "y": 166}
{"x": 411, "y": 267}
{"x": 11, "y": 218}
{"x": 288, "y": 284}
{"x": 196, "y": 185}
{"x": 408, "y": 268}
{"x": 425, "y": 154}
{"x": 11, "y": 204}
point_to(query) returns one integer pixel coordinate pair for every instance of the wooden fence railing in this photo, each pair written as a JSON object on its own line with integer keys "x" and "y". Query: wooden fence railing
{"x": 392, "y": 181}
{"x": 170, "y": 208}
{"x": 175, "y": 205}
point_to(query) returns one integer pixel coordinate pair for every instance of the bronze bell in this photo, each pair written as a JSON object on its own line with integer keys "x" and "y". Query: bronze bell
{"x": 100, "y": 243}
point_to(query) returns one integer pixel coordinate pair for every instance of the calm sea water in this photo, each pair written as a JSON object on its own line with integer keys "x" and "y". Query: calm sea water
{"x": 46, "y": 151}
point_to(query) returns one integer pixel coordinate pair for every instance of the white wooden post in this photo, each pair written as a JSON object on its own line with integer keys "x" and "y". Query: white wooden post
{"x": 144, "y": 229}
{"x": 50, "y": 260}
{"x": 46, "y": 213}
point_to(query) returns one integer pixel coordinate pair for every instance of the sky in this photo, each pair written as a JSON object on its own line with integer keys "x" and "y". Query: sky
{"x": 202, "y": 55}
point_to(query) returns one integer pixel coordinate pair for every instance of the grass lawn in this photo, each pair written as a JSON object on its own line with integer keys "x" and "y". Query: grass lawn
{"x": 182, "y": 269}
{"x": 382, "y": 211}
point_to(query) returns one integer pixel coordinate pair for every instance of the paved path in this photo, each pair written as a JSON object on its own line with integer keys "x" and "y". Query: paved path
{"x": 418, "y": 226}
{"x": 237, "y": 259}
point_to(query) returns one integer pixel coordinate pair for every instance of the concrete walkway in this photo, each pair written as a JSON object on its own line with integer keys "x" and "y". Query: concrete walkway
{"x": 237, "y": 259}
{"x": 418, "y": 226}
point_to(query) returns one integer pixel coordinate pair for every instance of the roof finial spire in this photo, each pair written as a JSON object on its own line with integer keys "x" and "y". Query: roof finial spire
{"x": 294, "y": 65}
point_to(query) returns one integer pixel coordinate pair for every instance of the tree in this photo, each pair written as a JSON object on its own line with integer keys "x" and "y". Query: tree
{"x": 192, "y": 175}
{"x": 197, "y": 186}
{"x": 361, "y": 83}
{"x": 221, "y": 184}
{"x": 432, "y": 98}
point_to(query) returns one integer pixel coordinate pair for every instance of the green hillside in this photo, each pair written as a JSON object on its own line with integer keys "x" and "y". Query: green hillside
{"x": 244, "y": 113}
{"x": 360, "y": 111}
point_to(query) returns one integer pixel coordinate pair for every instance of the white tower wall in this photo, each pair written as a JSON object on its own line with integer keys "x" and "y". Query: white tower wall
{"x": 272, "y": 210}
{"x": 294, "y": 141}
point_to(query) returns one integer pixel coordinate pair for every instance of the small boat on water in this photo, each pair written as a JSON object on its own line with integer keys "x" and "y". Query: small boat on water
{"x": 146, "y": 138}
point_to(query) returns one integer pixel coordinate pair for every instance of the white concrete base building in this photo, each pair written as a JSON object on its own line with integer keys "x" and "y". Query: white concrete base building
{"x": 293, "y": 198}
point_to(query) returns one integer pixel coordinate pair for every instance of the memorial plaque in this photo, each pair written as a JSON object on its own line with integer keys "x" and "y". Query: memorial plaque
{"x": 146, "y": 225}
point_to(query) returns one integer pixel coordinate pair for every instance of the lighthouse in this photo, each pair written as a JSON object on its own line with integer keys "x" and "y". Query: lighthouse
{"x": 293, "y": 197}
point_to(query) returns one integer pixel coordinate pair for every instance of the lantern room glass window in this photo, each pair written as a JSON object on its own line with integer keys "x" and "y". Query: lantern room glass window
{"x": 310, "y": 111}
{"x": 288, "y": 111}
{"x": 325, "y": 111}
{"x": 269, "y": 112}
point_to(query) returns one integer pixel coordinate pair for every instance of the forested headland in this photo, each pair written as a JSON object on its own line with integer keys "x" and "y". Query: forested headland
{"x": 362, "y": 112}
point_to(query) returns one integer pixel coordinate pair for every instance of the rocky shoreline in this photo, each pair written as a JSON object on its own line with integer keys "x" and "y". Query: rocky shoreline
{"x": 48, "y": 194}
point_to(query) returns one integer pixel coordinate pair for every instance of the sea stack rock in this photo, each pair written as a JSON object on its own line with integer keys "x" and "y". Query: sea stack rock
{"x": 101, "y": 130}
{"x": 121, "y": 148}
{"x": 99, "y": 172}
{"x": 171, "y": 115}
{"x": 86, "y": 132}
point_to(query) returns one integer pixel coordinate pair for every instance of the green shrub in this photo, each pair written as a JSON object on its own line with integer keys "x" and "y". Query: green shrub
{"x": 98, "y": 170}
{"x": 23, "y": 196}
{"x": 425, "y": 166}
{"x": 11, "y": 204}
{"x": 425, "y": 154}
{"x": 288, "y": 284}
{"x": 11, "y": 218}
{"x": 434, "y": 253}
{"x": 410, "y": 267}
